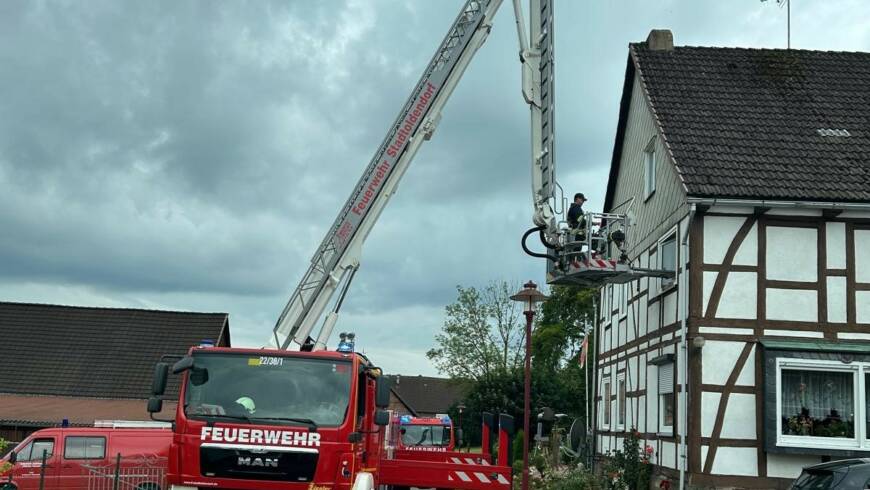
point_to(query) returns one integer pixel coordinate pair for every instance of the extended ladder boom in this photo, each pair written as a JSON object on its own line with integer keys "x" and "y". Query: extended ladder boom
{"x": 338, "y": 255}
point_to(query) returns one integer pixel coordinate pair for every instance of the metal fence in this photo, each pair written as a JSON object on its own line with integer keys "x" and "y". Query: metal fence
{"x": 130, "y": 474}
{"x": 120, "y": 473}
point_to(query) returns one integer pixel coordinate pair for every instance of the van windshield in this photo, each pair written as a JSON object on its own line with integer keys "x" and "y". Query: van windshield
{"x": 268, "y": 389}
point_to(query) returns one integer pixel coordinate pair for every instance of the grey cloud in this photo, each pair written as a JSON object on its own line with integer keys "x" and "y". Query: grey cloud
{"x": 192, "y": 155}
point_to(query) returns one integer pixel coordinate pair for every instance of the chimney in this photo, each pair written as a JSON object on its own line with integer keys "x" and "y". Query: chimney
{"x": 660, "y": 40}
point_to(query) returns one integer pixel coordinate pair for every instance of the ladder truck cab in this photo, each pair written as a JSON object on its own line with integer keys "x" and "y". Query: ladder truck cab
{"x": 424, "y": 433}
{"x": 274, "y": 419}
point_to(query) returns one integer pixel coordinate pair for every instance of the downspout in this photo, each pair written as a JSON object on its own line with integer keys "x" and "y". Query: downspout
{"x": 593, "y": 363}
{"x": 683, "y": 298}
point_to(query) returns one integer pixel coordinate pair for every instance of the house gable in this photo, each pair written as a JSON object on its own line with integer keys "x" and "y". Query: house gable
{"x": 637, "y": 133}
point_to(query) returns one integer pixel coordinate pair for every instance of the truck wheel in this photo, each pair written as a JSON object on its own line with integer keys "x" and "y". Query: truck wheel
{"x": 8, "y": 486}
{"x": 146, "y": 486}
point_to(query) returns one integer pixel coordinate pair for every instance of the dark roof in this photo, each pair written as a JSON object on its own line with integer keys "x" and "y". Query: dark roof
{"x": 47, "y": 411}
{"x": 94, "y": 352}
{"x": 426, "y": 395}
{"x": 758, "y": 123}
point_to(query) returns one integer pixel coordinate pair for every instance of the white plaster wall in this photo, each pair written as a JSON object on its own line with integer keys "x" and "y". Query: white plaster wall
{"x": 789, "y": 465}
{"x": 668, "y": 455}
{"x": 641, "y": 414}
{"x": 653, "y": 316}
{"x": 739, "y": 421}
{"x": 854, "y": 214}
{"x": 793, "y": 333}
{"x": 709, "y": 409}
{"x": 718, "y": 359}
{"x": 726, "y": 330}
{"x": 652, "y": 393}
{"x": 792, "y": 304}
{"x": 791, "y": 253}
{"x": 862, "y": 306}
{"x": 747, "y": 254}
{"x": 709, "y": 281}
{"x": 853, "y": 336}
{"x": 836, "y": 299}
{"x": 862, "y": 255}
{"x": 669, "y": 309}
{"x": 739, "y": 296}
{"x": 747, "y": 375}
{"x": 835, "y": 246}
{"x": 641, "y": 312}
{"x": 719, "y": 232}
{"x": 741, "y": 461}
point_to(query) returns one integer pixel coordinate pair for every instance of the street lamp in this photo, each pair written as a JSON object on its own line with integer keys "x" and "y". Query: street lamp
{"x": 461, "y": 407}
{"x": 529, "y": 297}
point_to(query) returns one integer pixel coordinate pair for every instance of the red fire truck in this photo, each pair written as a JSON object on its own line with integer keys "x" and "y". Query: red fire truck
{"x": 274, "y": 419}
{"x": 423, "y": 433}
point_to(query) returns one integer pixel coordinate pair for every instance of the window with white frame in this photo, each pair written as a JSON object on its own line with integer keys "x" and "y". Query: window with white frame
{"x": 649, "y": 169}
{"x": 822, "y": 403}
{"x": 605, "y": 402}
{"x": 667, "y": 398}
{"x": 620, "y": 400}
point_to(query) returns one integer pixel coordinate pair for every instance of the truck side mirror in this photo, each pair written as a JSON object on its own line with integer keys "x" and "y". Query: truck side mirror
{"x": 382, "y": 418}
{"x": 382, "y": 395}
{"x": 155, "y": 405}
{"x": 13, "y": 457}
{"x": 183, "y": 365}
{"x": 158, "y": 385}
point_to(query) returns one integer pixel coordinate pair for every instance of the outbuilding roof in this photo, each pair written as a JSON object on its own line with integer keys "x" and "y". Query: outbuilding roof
{"x": 427, "y": 395}
{"x": 769, "y": 124}
{"x": 95, "y": 352}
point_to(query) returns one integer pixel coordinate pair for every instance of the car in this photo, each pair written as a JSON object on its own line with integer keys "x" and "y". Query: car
{"x": 77, "y": 457}
{"x": 844, "y": 474}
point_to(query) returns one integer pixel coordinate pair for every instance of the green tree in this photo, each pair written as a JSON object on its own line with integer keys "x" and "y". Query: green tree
{"x": 483, "y": 343}
{"x": 482, "y": 336}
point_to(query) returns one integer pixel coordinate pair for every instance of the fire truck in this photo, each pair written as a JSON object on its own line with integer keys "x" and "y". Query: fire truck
{"x": 423, "y": 433}
{"x": 295, "y": 415}
{"x": 276, "y": 419}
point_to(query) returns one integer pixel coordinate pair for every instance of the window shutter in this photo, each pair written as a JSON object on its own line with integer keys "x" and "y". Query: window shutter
{"x": 666, "y": 378}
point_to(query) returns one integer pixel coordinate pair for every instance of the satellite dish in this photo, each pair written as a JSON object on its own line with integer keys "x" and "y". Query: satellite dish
{"x": 575, "y": 435}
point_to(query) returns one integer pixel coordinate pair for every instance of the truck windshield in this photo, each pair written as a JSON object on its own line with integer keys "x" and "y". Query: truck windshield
{"x": 266, "y": 389}
{"x": 426, "y": 435}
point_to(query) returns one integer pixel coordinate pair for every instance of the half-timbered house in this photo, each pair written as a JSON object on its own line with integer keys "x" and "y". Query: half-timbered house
{"x": 747, "y": 173}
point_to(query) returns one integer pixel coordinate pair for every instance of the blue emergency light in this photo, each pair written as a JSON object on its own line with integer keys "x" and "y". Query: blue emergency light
{"x": 405, "y": 419}
{"x": 346, "y": 344}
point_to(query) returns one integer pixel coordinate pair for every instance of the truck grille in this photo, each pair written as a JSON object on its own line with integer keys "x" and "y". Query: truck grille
{"x": 254, "y": 465}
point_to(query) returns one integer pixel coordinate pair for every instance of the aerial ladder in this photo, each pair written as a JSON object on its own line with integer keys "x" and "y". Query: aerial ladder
{"x": 570, "y": 260}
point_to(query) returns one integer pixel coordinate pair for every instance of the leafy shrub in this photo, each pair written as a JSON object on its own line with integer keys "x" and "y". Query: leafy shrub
{"x": 630, "y": 468}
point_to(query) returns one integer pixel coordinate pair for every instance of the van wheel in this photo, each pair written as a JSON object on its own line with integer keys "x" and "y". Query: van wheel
{"x": 8, "y": 486}
{"x": 146, "y": 486}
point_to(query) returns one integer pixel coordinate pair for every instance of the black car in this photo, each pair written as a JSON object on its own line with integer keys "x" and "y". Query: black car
{"x": 846, "y": 474}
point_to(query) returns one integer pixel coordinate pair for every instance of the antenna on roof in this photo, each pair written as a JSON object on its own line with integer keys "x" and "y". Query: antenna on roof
{"x": 787, "y": 4}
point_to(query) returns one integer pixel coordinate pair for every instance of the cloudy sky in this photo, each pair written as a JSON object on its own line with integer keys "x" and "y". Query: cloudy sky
{"x": 191, "y": 155}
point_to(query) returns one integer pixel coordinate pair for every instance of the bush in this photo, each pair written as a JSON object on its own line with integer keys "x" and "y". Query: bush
{"x": 630, "y": 468}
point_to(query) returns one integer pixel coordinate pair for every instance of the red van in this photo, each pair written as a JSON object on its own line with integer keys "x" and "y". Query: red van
{"x": 87, "y": 458}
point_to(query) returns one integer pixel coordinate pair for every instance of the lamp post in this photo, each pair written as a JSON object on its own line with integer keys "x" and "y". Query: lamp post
{"x": 529, "y": 297}
{"x": 461, "y": 407}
